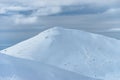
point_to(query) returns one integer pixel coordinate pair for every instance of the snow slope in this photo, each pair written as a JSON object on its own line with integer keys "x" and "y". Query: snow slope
{"x": 74, "y": 50}
{"x": 19, "y": 69}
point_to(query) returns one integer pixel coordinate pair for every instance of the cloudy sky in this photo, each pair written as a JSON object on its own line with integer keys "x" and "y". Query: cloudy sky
{"x": 21, "y": 19}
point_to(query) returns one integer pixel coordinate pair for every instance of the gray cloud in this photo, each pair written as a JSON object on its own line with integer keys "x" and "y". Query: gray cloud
{"x": 48, "y": 7}
{"x": 90, "y": 14}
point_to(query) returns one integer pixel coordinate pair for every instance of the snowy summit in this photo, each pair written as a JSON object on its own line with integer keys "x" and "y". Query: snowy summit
{"x": 81, "y": 52}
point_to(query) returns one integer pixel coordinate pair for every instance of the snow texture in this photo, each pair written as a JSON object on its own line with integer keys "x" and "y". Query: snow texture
{"x": 20, "y": 69}
{"x": 78, "y": 51}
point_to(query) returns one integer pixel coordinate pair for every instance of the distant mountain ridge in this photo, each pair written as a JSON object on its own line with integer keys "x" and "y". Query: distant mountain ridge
{"x": 74, "y": 50}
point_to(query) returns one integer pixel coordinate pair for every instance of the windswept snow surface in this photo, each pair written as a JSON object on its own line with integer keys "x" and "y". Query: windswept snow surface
{"x": 19, "y": 69}
{"x": 74, "y": 50}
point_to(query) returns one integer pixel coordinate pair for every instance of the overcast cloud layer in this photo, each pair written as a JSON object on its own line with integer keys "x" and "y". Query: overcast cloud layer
{"x": 29, "y": 11}
{"x": 67, "y": 13}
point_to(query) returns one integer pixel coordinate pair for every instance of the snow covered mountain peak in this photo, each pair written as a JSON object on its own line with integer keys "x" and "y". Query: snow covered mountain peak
{"x": 56, "y": 28}
{"x": 74, "y": 50}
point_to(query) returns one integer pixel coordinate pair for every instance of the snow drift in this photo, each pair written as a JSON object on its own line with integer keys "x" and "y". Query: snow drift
{"x": 20, "y": 69}
{"x": 74, "y": 50}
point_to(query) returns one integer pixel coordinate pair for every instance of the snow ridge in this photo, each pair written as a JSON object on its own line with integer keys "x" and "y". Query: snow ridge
{"x": 12, "y": 68}
{"x": 74, "y": 50}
